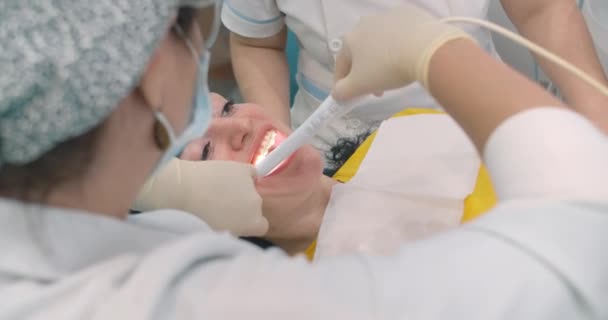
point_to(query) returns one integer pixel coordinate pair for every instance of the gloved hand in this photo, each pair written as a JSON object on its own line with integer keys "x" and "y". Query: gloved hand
{"x": 389, "y": 51}
{"x": 221, "y": 193}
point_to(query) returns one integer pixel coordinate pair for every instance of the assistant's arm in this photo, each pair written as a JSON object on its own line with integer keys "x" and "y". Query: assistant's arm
{"x": 261, "y": 70}
{"x": 257, "y": 44}
{"x": 559, "y": 26}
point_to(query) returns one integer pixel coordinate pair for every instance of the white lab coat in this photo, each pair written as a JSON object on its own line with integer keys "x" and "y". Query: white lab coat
{"x": 537, "y": 258}
{"x": 319, "y": 26}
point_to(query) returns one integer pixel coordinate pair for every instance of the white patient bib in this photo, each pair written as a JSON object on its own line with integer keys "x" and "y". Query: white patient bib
{"x": 411, "y": 184}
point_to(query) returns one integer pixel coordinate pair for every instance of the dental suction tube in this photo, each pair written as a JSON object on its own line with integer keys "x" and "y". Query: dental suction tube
{"x": 325, "y": 113}
{"x": 330, "y": 109}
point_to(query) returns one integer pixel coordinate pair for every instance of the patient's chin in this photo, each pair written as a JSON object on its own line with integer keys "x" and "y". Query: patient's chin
{"x": 300, "y": 174}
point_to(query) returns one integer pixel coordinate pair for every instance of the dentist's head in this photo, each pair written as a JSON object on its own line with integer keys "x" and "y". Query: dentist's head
{"x": 96, "y": 94}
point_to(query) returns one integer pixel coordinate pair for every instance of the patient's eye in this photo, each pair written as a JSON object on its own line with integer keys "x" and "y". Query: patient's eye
{"x": 206, "y": 153}
{"x": 228, "y": 108}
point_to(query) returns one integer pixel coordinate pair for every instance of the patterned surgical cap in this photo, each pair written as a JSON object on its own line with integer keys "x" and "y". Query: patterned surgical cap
{"x": 65, "y": 64}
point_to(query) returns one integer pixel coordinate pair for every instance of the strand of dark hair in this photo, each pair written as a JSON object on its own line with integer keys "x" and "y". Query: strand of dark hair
{"x": 342, "y": 151}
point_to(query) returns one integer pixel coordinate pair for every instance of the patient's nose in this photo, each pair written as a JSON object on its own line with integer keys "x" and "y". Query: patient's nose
{"x": 236, "y": 132}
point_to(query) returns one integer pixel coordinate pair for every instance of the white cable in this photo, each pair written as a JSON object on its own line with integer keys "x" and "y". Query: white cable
{"x": 532, "y": 47}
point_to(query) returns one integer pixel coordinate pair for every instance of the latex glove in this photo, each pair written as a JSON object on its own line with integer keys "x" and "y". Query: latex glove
{"x": 221, "y": 193}
{"x": 389, "y": 51}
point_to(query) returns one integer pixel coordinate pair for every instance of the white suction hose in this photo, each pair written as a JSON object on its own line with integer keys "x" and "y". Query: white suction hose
{"x": 330, "y": 109}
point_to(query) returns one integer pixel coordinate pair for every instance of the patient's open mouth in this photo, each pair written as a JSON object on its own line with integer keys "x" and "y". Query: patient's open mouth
{"x": 268, "y": 144}
{"x": 272, "y": 139}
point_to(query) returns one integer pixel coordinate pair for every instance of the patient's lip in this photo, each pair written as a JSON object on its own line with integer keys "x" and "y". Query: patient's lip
{"x": 281, "y": 166}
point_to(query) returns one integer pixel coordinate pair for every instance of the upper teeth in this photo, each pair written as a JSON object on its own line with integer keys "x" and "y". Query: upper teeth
{"x": 267, "y": 143}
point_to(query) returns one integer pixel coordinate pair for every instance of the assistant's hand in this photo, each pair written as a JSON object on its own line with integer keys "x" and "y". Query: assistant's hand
{"x": 389, "y": 51}
{"x": 221, "y": 193}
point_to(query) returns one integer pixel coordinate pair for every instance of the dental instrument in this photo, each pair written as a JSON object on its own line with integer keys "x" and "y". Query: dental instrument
{"x": 330, "y": 109}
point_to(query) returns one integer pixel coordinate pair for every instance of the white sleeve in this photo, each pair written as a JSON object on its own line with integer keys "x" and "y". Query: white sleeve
{"x": 543, "y": 264}
{"x": 548, "y": 153}
{"x": 446, "y": 277}
{"x": 518, "y": 262}
{"x": 252, "y": 18}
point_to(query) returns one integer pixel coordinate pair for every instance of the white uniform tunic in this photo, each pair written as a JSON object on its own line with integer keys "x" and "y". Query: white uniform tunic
{"x": 540, "y": 254}
{"x": 319, "y": 26}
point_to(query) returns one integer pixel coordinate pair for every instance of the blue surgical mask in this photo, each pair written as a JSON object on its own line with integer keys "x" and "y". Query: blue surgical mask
{"x": 201, "y": 117}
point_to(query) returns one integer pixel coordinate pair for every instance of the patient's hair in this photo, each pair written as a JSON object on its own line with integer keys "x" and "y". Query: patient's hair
{"x": 342, "y": 151}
